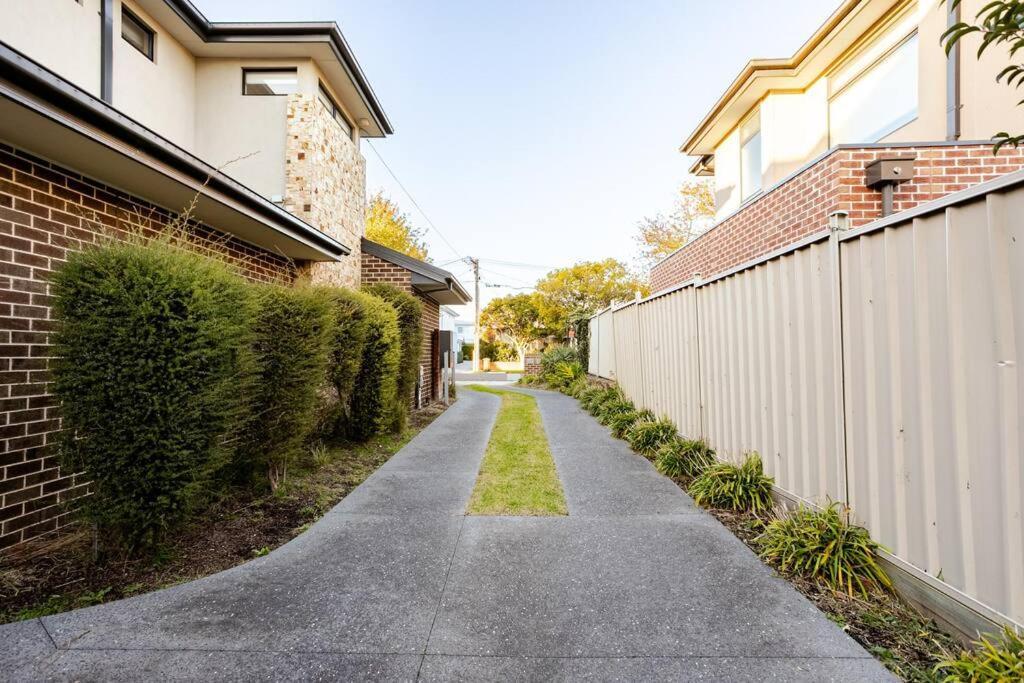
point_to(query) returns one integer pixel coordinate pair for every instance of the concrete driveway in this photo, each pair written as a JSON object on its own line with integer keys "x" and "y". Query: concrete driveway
{"x": 396, "y": 583}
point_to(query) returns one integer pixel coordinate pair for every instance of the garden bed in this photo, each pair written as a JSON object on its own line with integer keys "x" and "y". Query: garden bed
{"x": 59, "y": 573}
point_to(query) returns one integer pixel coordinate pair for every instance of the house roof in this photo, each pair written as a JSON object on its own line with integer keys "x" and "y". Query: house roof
{"x": 321, "y": 41}
{"x": 51, "y": 117}
{"x": 437, "y": 284}
{"x": 851, "y": 20}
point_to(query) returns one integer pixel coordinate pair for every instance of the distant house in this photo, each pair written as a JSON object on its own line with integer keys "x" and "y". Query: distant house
{"x": 448, "y": 318}
{"x": 114, "y": 116}
{"x": 465, "y": 331}
{"x": 789, "y": 141}
{"x": 433, "y": 286}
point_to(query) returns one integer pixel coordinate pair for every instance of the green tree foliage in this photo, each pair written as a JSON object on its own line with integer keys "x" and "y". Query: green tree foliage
{"x": 351, "y": 328}
{"x": 410, "y": 326}
{"x": 151, "y": 367}
{"x": 660, "y": 236}
{"x": 293, "y": 331}
{"x": 388, "y": 226}
{"x": 998, "y": 23}
{"x": 374, "y": 402}
{"x": 514, "y": 319}
{"x": 584, "y": 288}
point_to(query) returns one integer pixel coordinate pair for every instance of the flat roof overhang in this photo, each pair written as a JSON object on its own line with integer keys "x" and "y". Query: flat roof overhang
{"x": 321, "y": 41}
{"x": 759, "y": 77}
{"x": 437, "y": 284}
{"x": 51, "y": 118}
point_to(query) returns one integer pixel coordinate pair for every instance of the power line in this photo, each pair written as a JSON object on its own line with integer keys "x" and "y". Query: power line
{"x": 517, "y": 264}
{"x": 414, "y": 202}
{"x": 504, "y": 275}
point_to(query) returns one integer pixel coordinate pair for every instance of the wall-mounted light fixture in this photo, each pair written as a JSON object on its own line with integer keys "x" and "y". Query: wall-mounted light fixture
{"x": 839, "y": 220}
{"x": 885, "y": 174}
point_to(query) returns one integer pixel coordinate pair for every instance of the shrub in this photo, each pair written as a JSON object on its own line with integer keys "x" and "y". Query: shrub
{"x": 351, "y": 327}
{"x": 293, "y": 329}
{"x": 994, "y": 659}
{"x": 555, "y": 355}
{"x": 823, "y": 545}
{"x": 564, "y": 374}
{"x": 647, "y": 436}
{"x": 622, "y": 422}
{"x": 497, "y": 350}
{"x": 578, "y": 386}
{"x": 684, "y": 457}
{"x": 466, "y": 352}
{"x": 613, "y": 407}
{"x": 375, "y": 400}
{"x": 151, "y": 366}
{"x": 410, "y": 327}
{"x": 596, "y": 403}
{"x": 734, "y": 487}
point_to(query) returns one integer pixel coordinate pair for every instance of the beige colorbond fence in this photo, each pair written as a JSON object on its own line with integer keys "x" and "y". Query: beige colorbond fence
{"x": 877, "y": 366}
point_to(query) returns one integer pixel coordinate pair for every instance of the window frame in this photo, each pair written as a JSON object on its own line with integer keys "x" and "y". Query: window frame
{"x": 336, "y": 112}
{"x": 895, "y": 124}
{"x": 746, "y": 196}
{"x": 134, "y": 18}
{"x": 246, "y": 70}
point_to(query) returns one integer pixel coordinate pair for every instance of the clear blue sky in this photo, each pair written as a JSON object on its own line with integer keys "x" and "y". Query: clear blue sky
{"x": 541, "y": 131}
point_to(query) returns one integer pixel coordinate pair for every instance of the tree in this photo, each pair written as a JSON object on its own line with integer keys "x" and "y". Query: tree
{"x": 584, "y": 288}
{"x": 998, "y": 23}
{"x": 514, "y": 319}
{"x": 388, "y": 226}
{"x": 660, "y": 236}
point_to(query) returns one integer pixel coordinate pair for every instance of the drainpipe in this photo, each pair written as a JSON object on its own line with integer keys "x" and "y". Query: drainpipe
{"x": 107, "y": 51}
{"x": 953, "y": 80}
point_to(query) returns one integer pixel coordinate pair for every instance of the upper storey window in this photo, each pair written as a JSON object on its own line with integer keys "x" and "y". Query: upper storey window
{"x": 750, "y": 156}
{"x": 333, "y": 109}
{"x": 138, "y": 35}
{"x": 879, "y": 101}
{"x": 269, "y": 81}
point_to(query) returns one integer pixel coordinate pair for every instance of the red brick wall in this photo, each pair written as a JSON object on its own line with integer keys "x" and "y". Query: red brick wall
{"x": 801, "y": 205}
{"x": 45, "y": 211}
{"x": 375, "y": 270}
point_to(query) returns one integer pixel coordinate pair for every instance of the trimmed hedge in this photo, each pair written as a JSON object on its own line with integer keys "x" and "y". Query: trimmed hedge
{"x": 293, "y": 329}
{"x": 373, "y": 406}
{"x": 410, "y": 326}
{"x": 151, "y": 364}
{"x": 351, "y": 328}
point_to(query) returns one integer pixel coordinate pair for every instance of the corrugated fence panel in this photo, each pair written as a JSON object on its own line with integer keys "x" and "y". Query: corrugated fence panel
{"x": 606, "y": 347}
{"x": 933, "y": 322}
{"x": 627, "y": 350}
{"x": 595, "y": 347}
{"x": 768, "y": 370}
{"x": 671, "y": 375}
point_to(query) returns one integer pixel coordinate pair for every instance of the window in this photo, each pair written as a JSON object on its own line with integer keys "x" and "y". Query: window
{"x": 750, "y": 156}
{"x": 138, "y": 35}
{"x": 269, "y": 81}
{"x": 333, "y": 109}
{"x": 879, "y": 101}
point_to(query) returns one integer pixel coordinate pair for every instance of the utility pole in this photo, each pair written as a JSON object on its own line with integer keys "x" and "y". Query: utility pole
{"x": 475, "y": 262}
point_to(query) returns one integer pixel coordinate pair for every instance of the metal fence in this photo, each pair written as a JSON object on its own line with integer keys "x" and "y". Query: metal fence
{"x": 875, "y": 366}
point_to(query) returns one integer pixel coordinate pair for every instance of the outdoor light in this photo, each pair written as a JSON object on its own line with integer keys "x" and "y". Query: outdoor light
{"x": 885, "y": 175}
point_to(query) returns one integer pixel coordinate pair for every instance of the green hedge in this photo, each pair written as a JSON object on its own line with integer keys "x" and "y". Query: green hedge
{"x": 350, "y": 330}
{"x": 410, "y": 326}
{"x": 373, "y": 404}
{"x": 151, "y": 364}
{"x": 293, "y": 333}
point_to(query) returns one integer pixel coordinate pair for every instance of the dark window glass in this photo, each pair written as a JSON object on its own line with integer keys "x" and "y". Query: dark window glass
{"x": 270, "y": 81}
{"x": 335, "y": 111}
{"x": 136, "y": 33}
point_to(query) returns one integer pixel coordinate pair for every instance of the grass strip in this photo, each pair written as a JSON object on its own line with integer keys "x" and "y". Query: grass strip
{"x": 518, "y": 475}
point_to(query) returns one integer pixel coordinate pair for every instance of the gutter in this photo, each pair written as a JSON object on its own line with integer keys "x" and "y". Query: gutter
{"x": 329, "y": 32}
{"x": 31, "y": 77}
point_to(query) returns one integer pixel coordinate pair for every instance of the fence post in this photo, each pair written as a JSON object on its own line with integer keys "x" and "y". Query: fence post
{"x": 701, "y": 414}
{"x": 838, "y": 222}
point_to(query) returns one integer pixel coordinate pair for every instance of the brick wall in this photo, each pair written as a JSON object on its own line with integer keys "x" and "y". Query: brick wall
{"x": 800, "y": 206}
{"x": 45, "y": 211}
{"x": 375, "y": 270}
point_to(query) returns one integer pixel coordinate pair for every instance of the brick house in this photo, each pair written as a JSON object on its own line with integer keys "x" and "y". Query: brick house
{"x": 433, "y": 286}
{"x": 115, "y": 117}
{"x": 789, "y": 142}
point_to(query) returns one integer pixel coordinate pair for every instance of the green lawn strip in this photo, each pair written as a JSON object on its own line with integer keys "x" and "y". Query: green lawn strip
{"x": 518, "y": 475}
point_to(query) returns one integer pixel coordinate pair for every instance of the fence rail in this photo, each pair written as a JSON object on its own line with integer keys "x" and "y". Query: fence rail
{"x": 878, "y": 367}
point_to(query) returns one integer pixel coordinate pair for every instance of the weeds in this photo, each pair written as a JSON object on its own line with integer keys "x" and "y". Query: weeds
{"x": 734, "y": 487}
{"x": 993, "y": 659}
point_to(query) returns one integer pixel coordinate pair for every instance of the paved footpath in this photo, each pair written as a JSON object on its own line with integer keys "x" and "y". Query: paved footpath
{"x": 395, "y": 583}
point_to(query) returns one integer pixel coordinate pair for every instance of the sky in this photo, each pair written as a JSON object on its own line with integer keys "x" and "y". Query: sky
{"x": 539, "y": 132}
